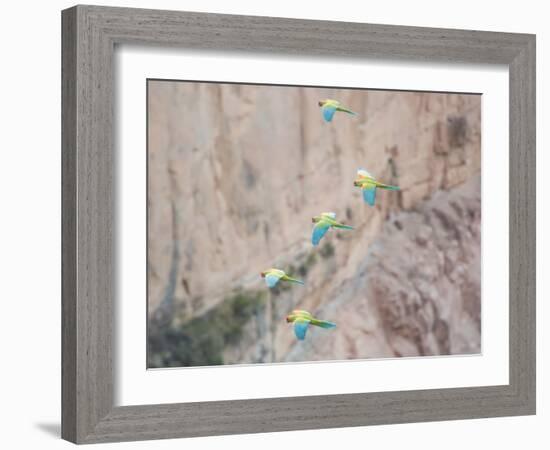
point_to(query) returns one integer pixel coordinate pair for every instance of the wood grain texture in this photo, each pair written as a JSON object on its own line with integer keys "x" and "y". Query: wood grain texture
{"x": 68, "y": 225}
{"x": 89, "y": 204}
{"x": 522, "y": 206}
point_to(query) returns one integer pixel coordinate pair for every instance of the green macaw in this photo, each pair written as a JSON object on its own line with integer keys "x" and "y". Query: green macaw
{"x": 368, "y": 185}
{"x": 303, "y": 319}
{"x": 272, "y": 277}
{"x": 329, "y": 107}
{"x": 324, "y": 222}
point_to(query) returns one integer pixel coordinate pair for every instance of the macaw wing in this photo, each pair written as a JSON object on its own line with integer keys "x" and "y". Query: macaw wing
{"x": 332, "y": 215}
{"x": 300, "y": 328}
{"x": 272, "y": 279}
{"x": 328, "y": 112}
{"x": 362, "y": 173}
{"x": 319, "y": 230}
{"x": 369, "y": 194}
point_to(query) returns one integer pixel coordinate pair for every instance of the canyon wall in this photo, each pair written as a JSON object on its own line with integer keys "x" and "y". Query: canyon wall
{"x": 235, "y": 173}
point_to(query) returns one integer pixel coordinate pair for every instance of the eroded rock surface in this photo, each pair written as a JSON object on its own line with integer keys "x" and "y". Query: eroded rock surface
{"x": 236, "y": 173}
{"x": 417, "y": 292}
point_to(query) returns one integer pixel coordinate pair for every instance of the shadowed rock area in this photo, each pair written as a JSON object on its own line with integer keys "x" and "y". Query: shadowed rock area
{"x": 417, "y": 292}
{"x": 235, "y": 174}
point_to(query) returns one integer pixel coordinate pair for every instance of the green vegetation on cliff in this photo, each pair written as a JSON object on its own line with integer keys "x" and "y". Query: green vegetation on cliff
{"x": 201, "y": 341}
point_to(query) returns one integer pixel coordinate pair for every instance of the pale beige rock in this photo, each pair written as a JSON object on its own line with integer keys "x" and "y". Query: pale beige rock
{"x": 236, "y": 173}
{"x": 417, "y": 291}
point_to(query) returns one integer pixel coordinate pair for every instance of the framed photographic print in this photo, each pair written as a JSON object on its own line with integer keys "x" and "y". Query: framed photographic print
{"x": 264, "y": 229}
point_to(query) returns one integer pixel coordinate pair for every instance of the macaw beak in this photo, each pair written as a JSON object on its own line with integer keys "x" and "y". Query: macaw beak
{"x": 313, "y": 219}
{"x": 262, "y": 274}
{"x": 288, "y": 319}
{"x": 321, "y": 103}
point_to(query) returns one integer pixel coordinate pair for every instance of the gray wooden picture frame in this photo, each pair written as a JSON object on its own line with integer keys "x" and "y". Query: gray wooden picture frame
{"x": 90, "y": 34}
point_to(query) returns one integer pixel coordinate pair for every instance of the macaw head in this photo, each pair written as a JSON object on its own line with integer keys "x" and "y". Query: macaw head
{"x": 357, "y": 183}
{"x": 315, "y": 219}
{"x": 290, "y": 318}
{"x": 321, "y": 102}
{"x": 263, "y": 274}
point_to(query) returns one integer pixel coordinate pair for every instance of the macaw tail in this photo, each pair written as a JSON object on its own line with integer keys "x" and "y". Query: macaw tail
{"x": 387, "y": 186}
{"x": 294, "y": 280}
{"x": 324, "y": 324}
{"x": 343, "y": 227}
{"x": 349, "y": 111}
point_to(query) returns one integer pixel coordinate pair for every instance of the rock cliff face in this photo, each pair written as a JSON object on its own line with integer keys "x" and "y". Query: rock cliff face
{"x": 235, "y": 174}
{"x": 417, "y": 291}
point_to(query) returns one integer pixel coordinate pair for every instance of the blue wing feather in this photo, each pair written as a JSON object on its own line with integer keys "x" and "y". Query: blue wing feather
{"x": 300, "y": 328}
{"x": 271, "y": 280}
{"x": 369, "y": 194}
{"x": 328, "y": 112}
{"x": 319, "y": 230}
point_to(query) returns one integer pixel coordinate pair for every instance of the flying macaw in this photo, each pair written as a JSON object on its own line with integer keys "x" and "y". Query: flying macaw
{"x": 324, "y": 222}
{"x": 329, "y": 107}
{"x": 272, "y": 277}
{"x": 368, "y": 185}
{"x": 302, "y": 320}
